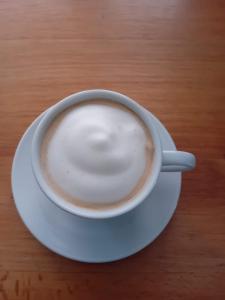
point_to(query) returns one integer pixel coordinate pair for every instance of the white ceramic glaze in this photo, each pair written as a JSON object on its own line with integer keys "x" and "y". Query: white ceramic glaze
{"x": 90, "y": 240}
{"x": 162, "y": 161}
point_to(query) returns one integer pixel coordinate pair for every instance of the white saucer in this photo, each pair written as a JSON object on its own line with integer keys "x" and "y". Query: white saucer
{"x": 92, "y": 240}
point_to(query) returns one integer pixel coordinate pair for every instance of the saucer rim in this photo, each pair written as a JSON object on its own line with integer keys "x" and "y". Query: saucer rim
{"x": 57, "y": 251}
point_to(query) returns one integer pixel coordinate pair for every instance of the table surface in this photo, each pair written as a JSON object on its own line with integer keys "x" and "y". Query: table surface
{"x": 169, "y": 56}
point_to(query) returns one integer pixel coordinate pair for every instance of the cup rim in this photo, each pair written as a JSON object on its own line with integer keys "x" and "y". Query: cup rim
{"x": 82, "y": 96}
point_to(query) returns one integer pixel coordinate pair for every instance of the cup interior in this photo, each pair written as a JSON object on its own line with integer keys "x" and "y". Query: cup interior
{"x": 54, "y": 111}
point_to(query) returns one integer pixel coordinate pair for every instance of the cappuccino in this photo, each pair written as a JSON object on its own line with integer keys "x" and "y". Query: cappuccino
{"x": 97, "y": 154}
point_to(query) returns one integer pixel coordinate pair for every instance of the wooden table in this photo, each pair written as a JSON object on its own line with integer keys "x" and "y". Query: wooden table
{"x": 170, "y": 56}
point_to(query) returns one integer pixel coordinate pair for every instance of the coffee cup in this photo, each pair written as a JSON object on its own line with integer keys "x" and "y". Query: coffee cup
{"x": 101, "y": 139}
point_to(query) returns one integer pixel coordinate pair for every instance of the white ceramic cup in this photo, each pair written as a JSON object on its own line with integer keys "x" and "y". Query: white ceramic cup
{"x": 165, "y": 161}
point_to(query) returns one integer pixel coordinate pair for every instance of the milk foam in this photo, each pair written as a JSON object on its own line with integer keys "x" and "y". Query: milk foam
{"x": 97, "y": 153}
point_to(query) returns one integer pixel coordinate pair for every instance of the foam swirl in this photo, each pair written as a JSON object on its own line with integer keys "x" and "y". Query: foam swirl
{"x": 97, "y": 152}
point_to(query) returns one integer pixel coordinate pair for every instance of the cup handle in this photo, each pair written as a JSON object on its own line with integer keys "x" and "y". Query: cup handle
{"x": 177, "y": 161}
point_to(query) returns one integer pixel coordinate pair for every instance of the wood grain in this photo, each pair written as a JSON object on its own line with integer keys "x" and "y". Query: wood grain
{"x": 169, "y": 56}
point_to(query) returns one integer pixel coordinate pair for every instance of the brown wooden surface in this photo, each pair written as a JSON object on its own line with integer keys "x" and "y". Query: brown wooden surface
{"x": 168, "y": 55}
